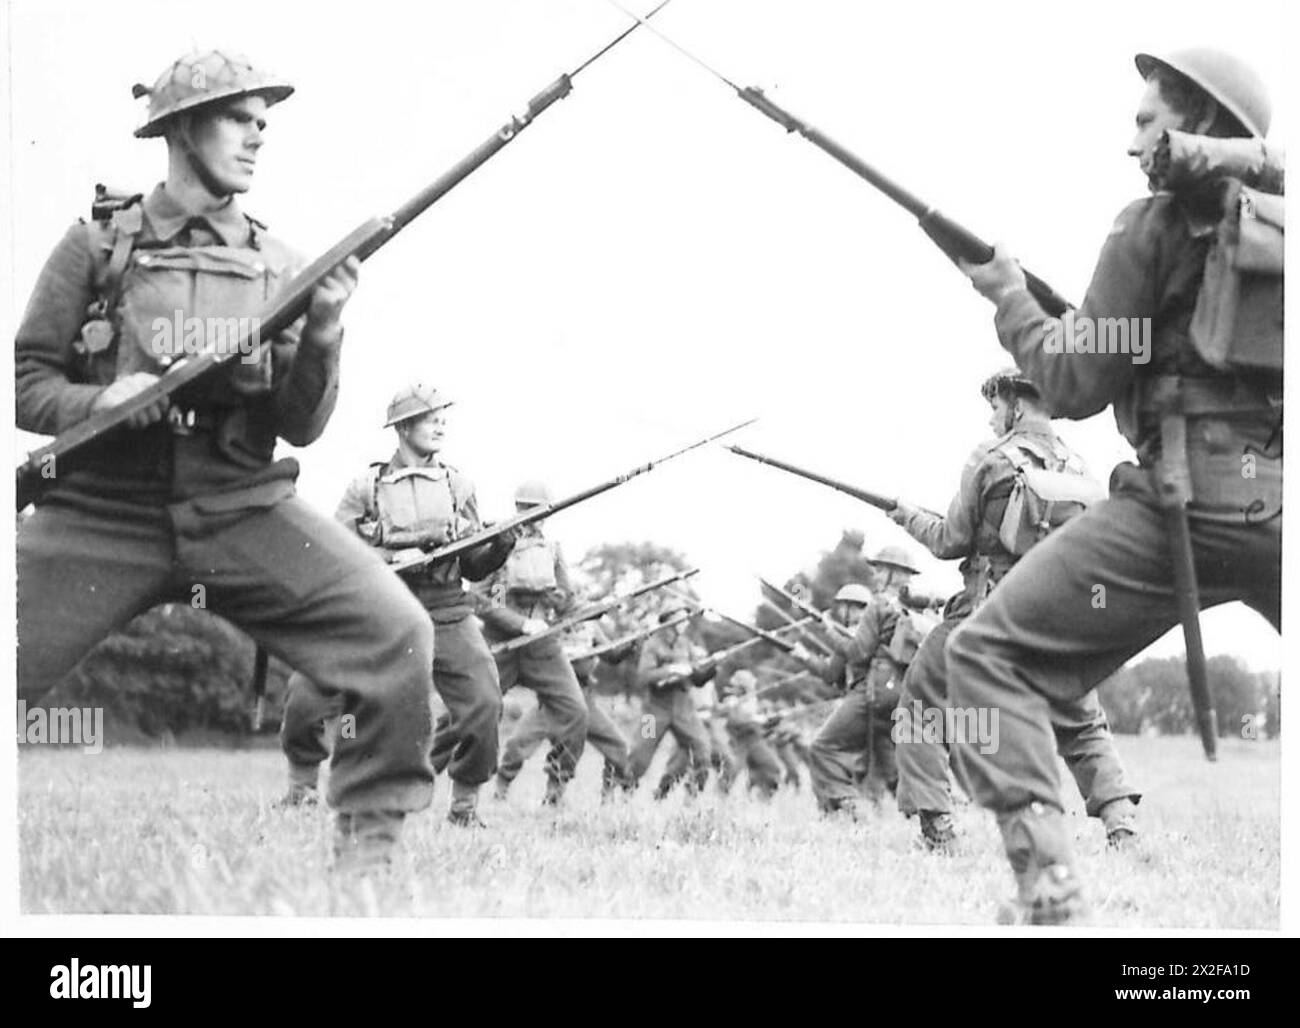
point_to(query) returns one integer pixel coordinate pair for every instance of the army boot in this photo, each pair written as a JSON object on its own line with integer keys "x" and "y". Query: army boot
{"x": 303, "y": 791}
{"x": 1120, "y": 818}
{"x": 1038, "y": 847}
{"x": 614, "y": 781}
{"x": 554, "y": 795}
{"x": 366, "y": 841}
{"x": 464, "y": 806}
{"x": 937, "y": 832}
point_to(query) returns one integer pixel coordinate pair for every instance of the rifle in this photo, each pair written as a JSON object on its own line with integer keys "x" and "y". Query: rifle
{"x": 789, "y": 619}
{"x": 953, "y": 239}
{"x": 772, "y": 637}
{"x": 589, "y": 612}
{"x": 758, "y": 633}
{"x": 885, "y": 503}
{"x": 627, "y": 640}
{"x": 545, "y": 510}
{"x": 806, "y": 607}
{"x": 40, "y": 467}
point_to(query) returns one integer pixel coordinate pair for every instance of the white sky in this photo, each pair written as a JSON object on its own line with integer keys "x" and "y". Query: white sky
{"x": 653, "y": 259}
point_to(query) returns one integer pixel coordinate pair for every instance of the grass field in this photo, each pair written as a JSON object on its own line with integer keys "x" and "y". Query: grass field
{"x": 180, "y": 831}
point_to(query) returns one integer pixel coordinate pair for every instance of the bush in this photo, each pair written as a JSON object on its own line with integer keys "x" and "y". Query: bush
{"x": 173, "y": 669}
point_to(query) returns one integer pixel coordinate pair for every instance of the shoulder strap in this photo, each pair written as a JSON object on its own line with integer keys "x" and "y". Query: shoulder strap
{"x": 122, "y": 226}
{"x": 376, "y": 469}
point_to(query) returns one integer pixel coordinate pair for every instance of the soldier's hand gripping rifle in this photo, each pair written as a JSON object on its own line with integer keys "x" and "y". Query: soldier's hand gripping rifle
{"x": 41, "y": 465}
{"x": 591, "y": 611}
{"x": 953, "y": 239}
{"x": 545, "y": 510}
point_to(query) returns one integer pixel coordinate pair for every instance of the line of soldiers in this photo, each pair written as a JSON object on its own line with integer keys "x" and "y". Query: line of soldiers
{"x": 188, "y": 500}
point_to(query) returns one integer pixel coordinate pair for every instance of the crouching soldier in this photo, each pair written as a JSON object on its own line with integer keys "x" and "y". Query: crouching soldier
{"x": 187, "y": 500}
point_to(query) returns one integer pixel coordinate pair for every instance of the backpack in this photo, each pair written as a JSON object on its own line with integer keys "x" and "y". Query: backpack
{"x": 909, "y": 633}
{"x": 1049, "y": 487}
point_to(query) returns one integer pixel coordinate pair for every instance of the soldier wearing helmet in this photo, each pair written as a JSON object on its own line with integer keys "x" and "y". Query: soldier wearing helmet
{"x": 738, "y": 709}
{"x": 412, "y": 503}
{"x": 530, "y": 590}
{"x": 1203, "y": 414}
{"x": 671, "y": 667}
{"x": 972, "y": 531}
{"x": 853, "y": 748}
{"x": 190, "y": 494}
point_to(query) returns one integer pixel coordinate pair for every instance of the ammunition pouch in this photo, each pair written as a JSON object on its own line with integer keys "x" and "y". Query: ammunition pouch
{"x": 531, "y": 565}
{"x": 1202, "y": 463}
{"x": 1237, "y": 322}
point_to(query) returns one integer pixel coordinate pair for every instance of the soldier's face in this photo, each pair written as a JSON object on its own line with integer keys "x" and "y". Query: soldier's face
{"x": 425, "y": 434}
{"x": 226, "y": 138}
{"x": 1154, "y": 117}
{"x": 851, "y": 614}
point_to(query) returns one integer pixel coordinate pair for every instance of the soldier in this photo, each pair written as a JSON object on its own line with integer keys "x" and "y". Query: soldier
{"x": 187, "y": 501}
{"x": 786, "y": 740}
{"x": 713, "y": 720}
{"x": 1204, "y": 415}
{"x": 739, "y": 709}
{"x": 671, "y": 663}
{"x": 520, "y": 599}
{"x": 854, "y": 745}
{"x": 410, "y": 503}
{"x": 602, "y": 733}
{"x": 973, "y": 530}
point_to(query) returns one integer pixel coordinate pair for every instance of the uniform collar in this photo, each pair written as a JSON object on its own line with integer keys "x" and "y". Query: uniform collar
{"x": 400, "y": 462}
{"x": 1032, "y": 424}
{"x": 167, "y": 217}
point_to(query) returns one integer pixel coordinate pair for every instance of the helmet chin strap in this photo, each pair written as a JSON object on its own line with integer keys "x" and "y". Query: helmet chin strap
{"x": 1014, "y": 413}
{"x": 196, "y": 163}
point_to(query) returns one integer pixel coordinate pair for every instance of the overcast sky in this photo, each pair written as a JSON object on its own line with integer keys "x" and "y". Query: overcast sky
{"x": 653, "y": 259}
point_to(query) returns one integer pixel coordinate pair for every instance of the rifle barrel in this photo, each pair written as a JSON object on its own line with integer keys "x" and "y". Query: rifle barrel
{"x": 885, "y": 503}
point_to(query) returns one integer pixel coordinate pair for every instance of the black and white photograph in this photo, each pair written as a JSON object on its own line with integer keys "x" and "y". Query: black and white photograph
{"x": 634, "y": 467}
